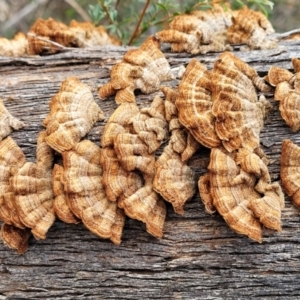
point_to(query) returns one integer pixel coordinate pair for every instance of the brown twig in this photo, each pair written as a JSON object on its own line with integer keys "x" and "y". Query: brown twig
{"x": 135, "y": 33}
{"x": 106, "y": 12}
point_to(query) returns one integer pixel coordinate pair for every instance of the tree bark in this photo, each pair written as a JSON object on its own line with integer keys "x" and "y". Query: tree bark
{"x": 199, "y": 256}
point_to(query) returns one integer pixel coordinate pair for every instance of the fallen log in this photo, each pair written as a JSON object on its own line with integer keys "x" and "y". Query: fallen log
{"x": 198, "y": 257}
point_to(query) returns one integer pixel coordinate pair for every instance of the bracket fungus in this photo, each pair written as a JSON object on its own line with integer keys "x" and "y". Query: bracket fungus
{"x": 174, "y": 180}
{"x": 118, "y": 182}
{"x": 143, "y": 68}
{"x": 32, "y": 188}
{"x": 287, "y": 92}
{"x": 231, "y": 190}
{"x": 128, "y": 162}
{"x": 60, "y": 204}
{"x": 199, "y": 31}
{"x": 238, "y": 113}
{"x": 26, "y": 198}
{"x": 251, "y": 28}
{"x": 8, "y": 123}
{"x": 12, "y": 158}
{"x": 85, "y": 194}
{"x": 244, "y": 203}
{"x": 15, "y": 238}
{"x": 50, "y": 36}
{"x": 73, "y": 112}
{"x": 13, "y": 231}
{"x": 194, "y": 104}
{"x": 14, "y": 47}
{"x": 150, "y": 124}
{"x": 289, "y": 170}
{"x": 144, "y": 204}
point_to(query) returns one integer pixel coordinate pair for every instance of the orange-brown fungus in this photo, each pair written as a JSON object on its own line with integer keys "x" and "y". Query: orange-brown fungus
{"x": 8, "y": 122}
{"x": 194, "y": 104}
{"x": 199, "y": 31}
{"x": 174, "y": 180}
{"x": 85, "y": 194}
{"x": 231, "y": 191}
{"x": 287, "y": 92}
{"x": 73, "y": 112}
{"x": 32, "y": 189}
{"x": 238, "y": 113}
{"x": 290, "y": 170}
{"x": 118, "y": 182}
{"x": 60, "y": 205}
{"x": 81, "y": 35}
{"x": 12, "y": 159}
{"x": 242, "y": 194}
{"x": 267, "y": 208}
{"x": 147, "y": 206}
{"x": 14, "y": 47}
{"x": 15, "y": 237}
{"x": 129, "y": 139}
{"x": 143, "y": 68}
{"x": 150, "y": 124}
{"x": 251, "y": 28}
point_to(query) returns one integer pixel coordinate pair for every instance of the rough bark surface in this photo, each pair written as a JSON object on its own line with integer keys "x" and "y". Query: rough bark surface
{"x": 199, "y": 257}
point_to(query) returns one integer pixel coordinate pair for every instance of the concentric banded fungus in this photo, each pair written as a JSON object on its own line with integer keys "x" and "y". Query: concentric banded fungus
{"x": 15, "y": 238}
{"x": 12, "y": 158}
{"x": 287, "y": 92}
{"x": 60, "y": 204}
{"x": 150, "y": 124}
{"x": 143, "y": 68}
{"x": 147, "y": 206}
{"x": 32, "y": 188}
{"x": 240, "y": 183}
{"x": 231, "y": 191}
{"x": 133, "y": 154}
{"x": 239, "y": 116}
{"x": 73, "y": 112}
{"x": 118, "y": 183}
{"x": 182, "y": 141}
{"x": 85, "y": 193}
{"x": 87, "y": 35}
{"x": 251, "y": 28}
{"x": 174, "y": 180}
{"x": 15, "y": 47}
{"x": 8, "y": 122}
{"x": 289, "y": 170}
{"x": 51, "y": 30}
{"x": 119, "y": 121}
{"x": 267, "y": 208}
{"x": 81, "y": 35}
{"x": 128, "y": 162}
{"x": 199, "y": 31}
{"x": 194, "y": 104}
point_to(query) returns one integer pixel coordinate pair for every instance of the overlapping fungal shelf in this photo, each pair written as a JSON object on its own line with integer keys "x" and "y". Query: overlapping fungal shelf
{"x": 50, "y": 36}
{"x": 141, "y": 159}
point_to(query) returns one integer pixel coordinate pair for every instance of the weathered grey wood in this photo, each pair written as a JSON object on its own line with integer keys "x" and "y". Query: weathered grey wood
{"x": 199, "y": 257}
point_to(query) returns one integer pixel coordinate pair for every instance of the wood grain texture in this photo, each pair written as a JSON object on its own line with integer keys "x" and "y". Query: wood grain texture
{"x": 199, "y": 257}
